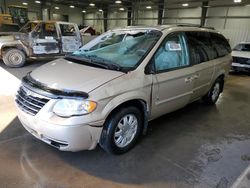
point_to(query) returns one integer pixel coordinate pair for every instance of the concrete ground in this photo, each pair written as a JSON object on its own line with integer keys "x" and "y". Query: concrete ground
{"x": 197, "y": 146}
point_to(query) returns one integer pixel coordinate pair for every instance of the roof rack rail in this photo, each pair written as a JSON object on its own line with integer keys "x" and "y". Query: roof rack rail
{"x": 194, "y": 25}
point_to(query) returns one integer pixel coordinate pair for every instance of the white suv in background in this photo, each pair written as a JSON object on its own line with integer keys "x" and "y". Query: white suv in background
{"x": 241, "y": 57}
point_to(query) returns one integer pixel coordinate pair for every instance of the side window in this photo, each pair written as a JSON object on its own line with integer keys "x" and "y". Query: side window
{"x": 200, "y": 47}
{"x": 171, "y": 54}
{"x": 45, "y": 31}
{"x": 220, "y": 44}
{"x": 50, "y": 30}
{"x": 67, "y": 29}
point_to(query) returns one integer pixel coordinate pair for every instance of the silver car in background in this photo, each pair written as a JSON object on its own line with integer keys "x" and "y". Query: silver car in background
{"x": 107, "y": 91}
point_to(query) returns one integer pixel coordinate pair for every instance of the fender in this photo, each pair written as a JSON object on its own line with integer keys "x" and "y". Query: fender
{"x": 126, "y": 97}
{"x": 14, "y": 44}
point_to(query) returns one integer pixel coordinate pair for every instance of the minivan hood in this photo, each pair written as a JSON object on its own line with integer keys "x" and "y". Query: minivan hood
{"x": 64, "y": 74}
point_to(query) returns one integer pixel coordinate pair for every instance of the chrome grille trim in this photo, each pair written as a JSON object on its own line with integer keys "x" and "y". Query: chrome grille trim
{"x": 30, "y": 102}
{"x": 241, "y": 60}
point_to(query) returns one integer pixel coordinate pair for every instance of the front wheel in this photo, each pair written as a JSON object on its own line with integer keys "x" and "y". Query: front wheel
{"x": 212, "y": 96}
{"x": 122, "y": 130}
{"x": 14, "y": 58}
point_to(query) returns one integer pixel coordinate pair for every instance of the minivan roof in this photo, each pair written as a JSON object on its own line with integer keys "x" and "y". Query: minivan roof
{"x": 164, "y": 27}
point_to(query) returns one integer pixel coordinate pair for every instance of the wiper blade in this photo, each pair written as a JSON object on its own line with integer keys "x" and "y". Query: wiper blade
{"x": 105, "y": 62}
{"x": 114, "y": 66}
{"x": 84, "y": 60}
{"x": 98, "y": 61}
{"x": 92, "y": 60}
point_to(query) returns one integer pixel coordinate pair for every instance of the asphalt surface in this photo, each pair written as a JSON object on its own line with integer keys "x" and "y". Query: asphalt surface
{"x": 197, "y": 146}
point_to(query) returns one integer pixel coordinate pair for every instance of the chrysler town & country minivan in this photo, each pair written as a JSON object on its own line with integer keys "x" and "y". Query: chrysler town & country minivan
{"x": 106, "y": 92}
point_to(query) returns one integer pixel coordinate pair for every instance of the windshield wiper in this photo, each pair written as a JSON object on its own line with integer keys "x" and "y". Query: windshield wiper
{"x": 96, "y": 61}
{"x": 105, "y": 62}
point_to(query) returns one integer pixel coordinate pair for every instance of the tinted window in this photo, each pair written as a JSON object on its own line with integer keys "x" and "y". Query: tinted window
{"x": 200, "y": 47}
{"x": 171, "y": 54}
{"x": 221, "y": 44}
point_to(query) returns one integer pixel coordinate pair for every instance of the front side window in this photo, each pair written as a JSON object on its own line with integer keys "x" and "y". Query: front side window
{"x": 45, "y": 31}
{"x": 171, "y": 54}
{"x": 121, "y": 48}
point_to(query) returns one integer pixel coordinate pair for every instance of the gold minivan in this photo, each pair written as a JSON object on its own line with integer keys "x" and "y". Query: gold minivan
{"x": 107, "y": 91}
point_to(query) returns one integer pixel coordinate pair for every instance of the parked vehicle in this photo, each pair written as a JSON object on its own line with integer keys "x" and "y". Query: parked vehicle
{"x": 17, "y": 17}
{"x": 7, "y": 24}
{"x": 39, "y": 39}
{"x": 107, "y": 91}
{"x": 241, "y": 57}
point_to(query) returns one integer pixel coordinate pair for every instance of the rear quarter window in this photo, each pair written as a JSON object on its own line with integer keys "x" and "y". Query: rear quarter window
{"x": 221, "y": 44}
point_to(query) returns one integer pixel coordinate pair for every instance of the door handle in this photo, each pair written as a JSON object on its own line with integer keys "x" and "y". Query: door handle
{"x": 196, "y": 76}
{"x": 188, "y": 79}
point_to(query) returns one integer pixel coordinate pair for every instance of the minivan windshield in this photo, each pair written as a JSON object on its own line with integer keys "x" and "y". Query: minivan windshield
{"x": 119, "y": 49}
{"x": 242, "y": 47}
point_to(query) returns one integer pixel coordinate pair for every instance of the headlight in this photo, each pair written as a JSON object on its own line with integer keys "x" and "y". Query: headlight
{"x": 73, "y": 107}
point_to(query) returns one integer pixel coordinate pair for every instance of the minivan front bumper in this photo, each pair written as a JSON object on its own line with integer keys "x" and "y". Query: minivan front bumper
{"x": 62, "y": 137}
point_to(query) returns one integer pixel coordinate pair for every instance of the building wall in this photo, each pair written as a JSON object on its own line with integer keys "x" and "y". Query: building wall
{"x": 35, "y": 12}
{"x": 118, "y": 19}
{"x": 94, "y": 20}
{"x": 146, "y": 17}
{"x": 191, "y": 15}
{"x": 233, "y": 22}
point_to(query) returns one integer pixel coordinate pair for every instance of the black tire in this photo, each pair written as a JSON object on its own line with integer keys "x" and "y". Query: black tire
{"x": 212, "y": 96}
{"x": 14, "y": 58}
{"x": 107, "y": 140}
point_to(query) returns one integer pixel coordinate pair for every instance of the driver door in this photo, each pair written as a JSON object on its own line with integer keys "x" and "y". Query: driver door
{"x": 44, "y": 39}
{"x": 172, "y": 81}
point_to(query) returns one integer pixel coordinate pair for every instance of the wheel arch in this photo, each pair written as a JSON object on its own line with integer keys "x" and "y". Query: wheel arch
{"x": 221, "y": 77}
{"x": 141, "y": 104}
{"x": 4, "y": 48}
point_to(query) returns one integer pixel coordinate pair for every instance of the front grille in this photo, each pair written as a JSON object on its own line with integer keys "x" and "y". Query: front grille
{"x": 241, "y": 60}
{"x": 29, "y": 102}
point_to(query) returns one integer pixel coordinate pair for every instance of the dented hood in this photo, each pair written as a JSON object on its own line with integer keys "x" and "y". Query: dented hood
{"x": 63, "y": 74}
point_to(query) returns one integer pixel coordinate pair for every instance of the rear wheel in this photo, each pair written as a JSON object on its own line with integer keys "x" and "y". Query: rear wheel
{"x": 122, "y": 130}
{"x": 212, "y": 96}
{"x": 14, "y": 58}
